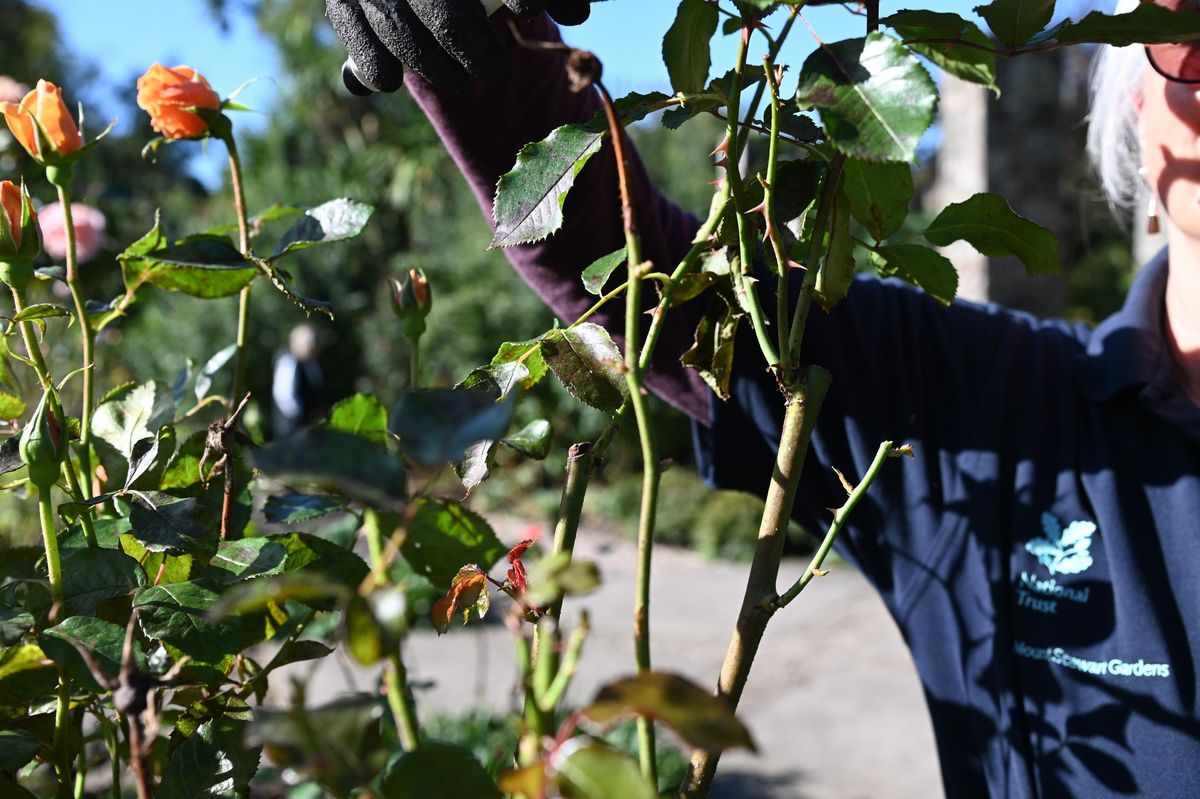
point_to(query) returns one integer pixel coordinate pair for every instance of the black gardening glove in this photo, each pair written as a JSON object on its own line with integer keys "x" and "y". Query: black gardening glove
{"x": 446, "y": 42}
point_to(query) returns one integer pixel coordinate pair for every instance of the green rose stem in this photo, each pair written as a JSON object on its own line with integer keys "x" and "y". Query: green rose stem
{"x": 239, "y": 205}
{"x": 733, "y": 146}
{"x": 803, "y": 398}
{"x": 60, "y": 178}
{"x": 651, "y": 471}
{"x": 47, "y": 382}
{"x": 395, "y": 677}
{"x": 43, "y": 482}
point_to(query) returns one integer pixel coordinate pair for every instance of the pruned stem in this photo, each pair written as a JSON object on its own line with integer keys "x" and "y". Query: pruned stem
{"x": 803, "y": 406}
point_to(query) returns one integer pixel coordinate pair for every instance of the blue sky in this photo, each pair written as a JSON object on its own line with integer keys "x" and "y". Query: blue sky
{"x": 625, "y": 34}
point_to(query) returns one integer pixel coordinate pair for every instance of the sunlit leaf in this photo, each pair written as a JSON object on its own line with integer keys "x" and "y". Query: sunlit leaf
{"x": 588, "y": 364}
{"x": 202, "y": 266}
{"x": 178, "y": 614}
{"x": 598, "y": 272}
{"x": 335, "y": 220}
{"x": 875, "y": 98}
{"x": 685, "y": 47}
{"x": 954, "y": 44}
{"x": 361, "y": 415}
{"x": 211, "y": 763}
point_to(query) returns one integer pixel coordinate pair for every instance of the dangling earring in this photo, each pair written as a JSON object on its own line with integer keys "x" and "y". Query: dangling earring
{"x": 1152, "y": 225}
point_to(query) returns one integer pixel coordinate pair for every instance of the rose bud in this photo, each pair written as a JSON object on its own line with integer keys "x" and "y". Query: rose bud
{"x": 89, "y": 226}
{"x": 20, "y": 236}
{"x": 42, "y": 124}
{"x": 43, "y": 445}
{"x": 412, "y": 299}
{"x": 171, "y": 97}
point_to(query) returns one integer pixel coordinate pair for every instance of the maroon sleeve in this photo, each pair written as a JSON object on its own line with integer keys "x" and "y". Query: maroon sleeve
{"x": 484, "y": 127}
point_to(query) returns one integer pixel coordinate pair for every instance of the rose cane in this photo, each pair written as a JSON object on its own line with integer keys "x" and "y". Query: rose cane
{"x": 182, "y": 106}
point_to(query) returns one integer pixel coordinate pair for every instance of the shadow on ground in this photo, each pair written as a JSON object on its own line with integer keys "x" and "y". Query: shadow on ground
{"x": 748, "y": 785}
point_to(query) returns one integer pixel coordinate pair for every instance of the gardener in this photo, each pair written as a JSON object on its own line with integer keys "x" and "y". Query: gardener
{"x": 1041, "y": 553}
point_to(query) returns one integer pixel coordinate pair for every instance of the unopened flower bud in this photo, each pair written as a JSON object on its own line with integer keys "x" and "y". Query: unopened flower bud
{"x": 43, "y": 124}
{"x": 20, "y": 236}
{"x": 412, "y": 299}
{"x": 42, "y": 445}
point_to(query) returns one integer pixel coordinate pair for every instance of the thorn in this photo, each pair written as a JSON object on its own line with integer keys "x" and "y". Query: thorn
{"x": 723, "y": 147}
{"x": 761, "y": 208}
{"x": 845, "y": 483}
{"x": 795, "y": 265}
{"x": 819, "y": 572}
{"x": 716, "y": 182}
{"x": 779, "y": 74}
{"x": 905, "y": 450}
{"x": 722, "y": 162}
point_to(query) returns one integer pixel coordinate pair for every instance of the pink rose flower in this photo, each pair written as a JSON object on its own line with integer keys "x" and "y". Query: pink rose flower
{"x": 11, "y": 91}
{"x": 89, "y": 231}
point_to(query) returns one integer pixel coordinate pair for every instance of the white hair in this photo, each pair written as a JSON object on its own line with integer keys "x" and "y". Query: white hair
{"x": 1113, "y": 140}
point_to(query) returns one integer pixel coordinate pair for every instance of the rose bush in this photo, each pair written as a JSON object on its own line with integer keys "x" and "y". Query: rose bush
{"x": 170, "y": 96}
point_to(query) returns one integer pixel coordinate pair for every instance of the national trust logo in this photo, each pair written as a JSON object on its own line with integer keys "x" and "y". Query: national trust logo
{"x": 1063, "y": 551}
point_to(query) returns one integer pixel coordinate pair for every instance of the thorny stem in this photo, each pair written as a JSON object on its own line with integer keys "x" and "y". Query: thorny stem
{"x": 886, "y": 450}
{"x": 743, "y": 285}
{"x": 87, "y": 337}
{"x": 239, "y": 205}
{"x": 809, "y": 285}
{"x": 769, "y": 191}
{"x": 651, "y": 471}
{"x": 803, "y": 406}
{"x": 612, "y": 295}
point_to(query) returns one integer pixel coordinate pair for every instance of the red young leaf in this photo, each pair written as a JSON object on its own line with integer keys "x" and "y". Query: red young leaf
{"x": 468, "y": 590}
{"x": 516, "y": 574}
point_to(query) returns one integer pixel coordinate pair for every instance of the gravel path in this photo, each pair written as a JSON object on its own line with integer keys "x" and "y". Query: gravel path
{"x": 833, "y": 701}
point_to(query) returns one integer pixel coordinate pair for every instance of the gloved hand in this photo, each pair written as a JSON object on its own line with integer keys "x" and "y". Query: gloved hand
{"x": 446, "y": 42}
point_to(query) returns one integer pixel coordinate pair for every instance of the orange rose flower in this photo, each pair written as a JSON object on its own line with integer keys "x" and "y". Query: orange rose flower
{"x": 43, "y": 107}
{"x": 169, "y": 96}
